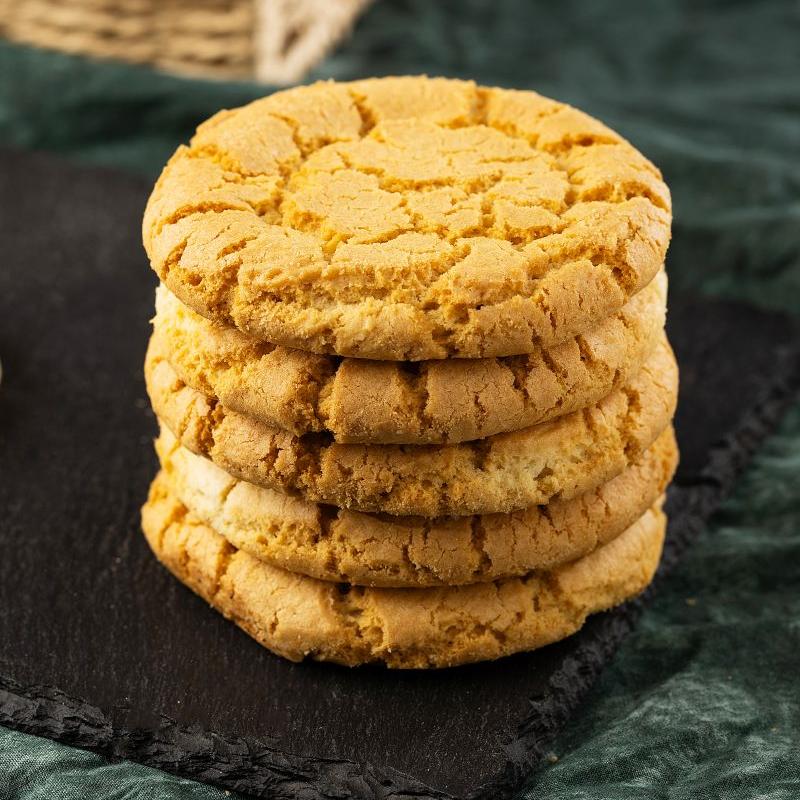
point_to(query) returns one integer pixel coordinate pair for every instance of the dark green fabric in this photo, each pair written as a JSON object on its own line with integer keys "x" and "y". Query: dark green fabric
{"x": 38, "y": 769}
{"x": 704, "y": 699}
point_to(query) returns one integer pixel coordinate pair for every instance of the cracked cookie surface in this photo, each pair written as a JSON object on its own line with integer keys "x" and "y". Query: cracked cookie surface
{"x": 430, "y": 402}
{"x": 407, "y": 219}
{"x": 377, "y": 550}
{"x": 559, "y": 459}
{"x": 300, "y": 617}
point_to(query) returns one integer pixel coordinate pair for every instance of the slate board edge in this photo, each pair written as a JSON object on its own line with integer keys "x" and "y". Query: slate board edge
{"x": 246, "y": 765}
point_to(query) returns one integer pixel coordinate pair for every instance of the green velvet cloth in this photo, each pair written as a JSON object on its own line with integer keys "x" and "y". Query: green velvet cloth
{"x": 703, "y": 700}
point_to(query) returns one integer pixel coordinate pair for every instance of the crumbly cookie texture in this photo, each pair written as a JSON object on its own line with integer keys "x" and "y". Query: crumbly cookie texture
{"x": 375, "y": 550}
{"x": 560, "y": 459}
{"x": 385, "y": 402}
{"x": 407, "y": 219}
{"x": 297, "y": 617}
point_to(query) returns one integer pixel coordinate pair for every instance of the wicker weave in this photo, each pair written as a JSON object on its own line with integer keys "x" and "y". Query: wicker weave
{"x": 276, "y": 41}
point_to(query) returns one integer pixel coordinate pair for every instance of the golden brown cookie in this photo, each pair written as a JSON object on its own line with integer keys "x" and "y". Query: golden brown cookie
{"x": 297, "y": 617}
{"x": 560, "y": 459}
{"x": 407, "y": 219}
{"x": 376, "y": 550}
{"x": 429, "y": 402}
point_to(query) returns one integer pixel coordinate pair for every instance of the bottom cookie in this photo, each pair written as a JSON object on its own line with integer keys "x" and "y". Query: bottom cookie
{"x": 297, "y": 617}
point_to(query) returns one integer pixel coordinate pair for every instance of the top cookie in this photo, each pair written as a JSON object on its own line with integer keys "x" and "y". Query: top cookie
{"x": 407, "y": 219}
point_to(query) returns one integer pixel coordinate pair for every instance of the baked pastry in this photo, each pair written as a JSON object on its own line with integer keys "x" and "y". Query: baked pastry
{"x": 344, "y": 546}
{"x": 298, "y": 617}
{"x": 559, "y": 459}
{"x": 407, "y": 219}
{"x": 428, "y": 402}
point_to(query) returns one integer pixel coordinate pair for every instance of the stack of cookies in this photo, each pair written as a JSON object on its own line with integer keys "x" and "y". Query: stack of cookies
{"x": 410, "y": 370}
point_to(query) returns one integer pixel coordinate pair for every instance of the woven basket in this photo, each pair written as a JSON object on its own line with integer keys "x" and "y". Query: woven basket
{"x": 275, "y": 41}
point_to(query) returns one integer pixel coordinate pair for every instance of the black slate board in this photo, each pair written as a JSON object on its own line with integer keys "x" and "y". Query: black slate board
{"x": 101, "y": 648}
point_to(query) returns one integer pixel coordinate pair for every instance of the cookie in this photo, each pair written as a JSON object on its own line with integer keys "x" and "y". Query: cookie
{"x": 407, "y": 219}
{"x": 560, "y": 459}
{"x": 429, "y": 402}
{"x": 297, "y": 617}
{"x": 375, "y": 550}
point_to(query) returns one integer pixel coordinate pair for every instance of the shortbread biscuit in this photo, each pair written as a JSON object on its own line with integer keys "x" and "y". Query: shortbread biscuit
{"x": 560, "y": 459}
{"x": 297, "y": 617}
{"x": 376, "y": 550}
{"x": 407, "y": 219}
{"x": 430, "y": 402}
